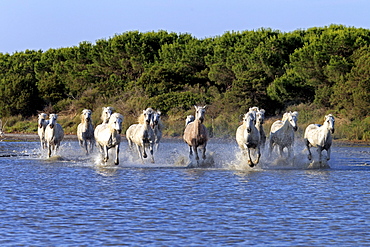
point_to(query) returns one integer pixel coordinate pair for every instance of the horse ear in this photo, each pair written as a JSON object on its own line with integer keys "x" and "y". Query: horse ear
{"x": 196, "y": 108}
{"x": 295, "y": 113}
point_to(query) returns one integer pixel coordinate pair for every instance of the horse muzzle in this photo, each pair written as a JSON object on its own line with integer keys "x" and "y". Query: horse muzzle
{"x": 332, "y": 131}
{"x": 295, "y": 128}
{"x": 249, "y": 130}
{"x": 51, "y": 126}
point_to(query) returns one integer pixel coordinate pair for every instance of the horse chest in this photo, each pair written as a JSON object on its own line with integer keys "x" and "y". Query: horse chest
{"x": 113, "y": 141}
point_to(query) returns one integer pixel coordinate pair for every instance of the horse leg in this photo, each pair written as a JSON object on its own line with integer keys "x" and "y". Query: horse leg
{"x": 105, "y": 153}
{"x": 49, "y": 150}
{"x": 281, "y": 150}
{"x": 116, "y": 161}
{"x": 151, "y": 151}
{"x": 328, "y": 153}
{"x": 271, "y": 146}
{"x": 308, "y": 148}
{"x": 139, "y": 151}
{"x": 319, "y": 150}
{"x": 85, "y": 146}
{"x": 258, "y": 155}
{"x": 196, "y": 152}
{"x": 190, "y": 152}
{"x": 250, "y": 162}
{"x": 204, "y": 152}
{"x": 144, "y": 150}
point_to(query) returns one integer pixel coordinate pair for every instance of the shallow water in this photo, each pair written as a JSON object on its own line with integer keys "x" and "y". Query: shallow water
{"x": 73, "y": 200}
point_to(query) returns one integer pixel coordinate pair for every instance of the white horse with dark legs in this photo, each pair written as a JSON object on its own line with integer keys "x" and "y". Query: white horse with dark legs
{"x": 157, "y": 126}
{"x": 282, "y": 133}
{"x": 196, "y": 134}
{"x": 319, "y": 136}
{"x": 42, "y": 123}
{"x": 260, "y": 118}
{"x": 54, "y": 134}
{"x": 85, "y": 131}
{"x": 248, "y": 137}
{"x": 142, "y": 135}
{"x": 108, "y": 136}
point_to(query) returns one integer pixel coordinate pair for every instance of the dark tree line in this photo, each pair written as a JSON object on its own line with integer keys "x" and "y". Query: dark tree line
{"x": 328, "y": 67}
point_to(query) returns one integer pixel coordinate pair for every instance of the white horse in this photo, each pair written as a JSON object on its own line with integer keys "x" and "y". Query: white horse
{"x": 260, "y": 118}
{"x": 282, "y": 132}
{"x": 189, "y": 119}
{"x": 42, "y": 123}
{"x": 196, "y": 134}
{"x": 319, "y": 136}
{"x": 157, "y": 126}
{"x": 85, "y": 131}
{"x": 54, "y": 134}
{"x": 142, "y": 135}
{"x": 248, "y": 137}
{"x": 108, "y": 136}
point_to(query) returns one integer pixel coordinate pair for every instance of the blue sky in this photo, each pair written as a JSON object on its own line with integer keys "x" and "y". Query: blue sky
{"x": 44, "y": 24}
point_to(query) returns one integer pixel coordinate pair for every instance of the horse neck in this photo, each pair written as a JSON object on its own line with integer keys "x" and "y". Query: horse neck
{"x": 259, "y": 126}
{"x": 286, "y": 125}
{"x": 196, "y": 129}
{"x": 325, "y": 128}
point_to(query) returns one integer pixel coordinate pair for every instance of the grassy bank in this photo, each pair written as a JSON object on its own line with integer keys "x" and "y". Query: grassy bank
{"x": 219, "y": 127}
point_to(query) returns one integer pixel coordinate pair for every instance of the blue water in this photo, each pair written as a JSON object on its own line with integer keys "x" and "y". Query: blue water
{"x": 72, "y": 200}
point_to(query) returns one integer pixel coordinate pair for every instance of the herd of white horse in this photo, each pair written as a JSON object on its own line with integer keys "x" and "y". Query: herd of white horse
{"x": 147, "y": 133}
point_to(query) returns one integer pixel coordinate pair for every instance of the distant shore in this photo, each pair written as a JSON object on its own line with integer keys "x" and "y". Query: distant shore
{"x": 35, "y": 137}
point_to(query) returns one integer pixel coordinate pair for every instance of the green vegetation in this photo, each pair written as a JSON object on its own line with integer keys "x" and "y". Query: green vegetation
{"x": 314, "y": 71}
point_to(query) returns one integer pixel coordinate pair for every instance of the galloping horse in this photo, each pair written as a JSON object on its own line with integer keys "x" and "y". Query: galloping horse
{"x": 109, "y": 136}
{"x": 54, "y": 134}
{"x": 248, "y": 137}
{"x": 195, "y": 134}
{"x": 282, "y": 132}
{"x": 42, "y": 123}
{"x": 85, "y": 131}
{"x": 142, "y": 135}
{"x": 157, "y": 127}
{"x": 319, "y": 136}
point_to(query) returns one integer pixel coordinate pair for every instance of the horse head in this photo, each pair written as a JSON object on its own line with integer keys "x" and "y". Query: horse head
{"x": 260, "y": 116}
{"x": 42, "y": 119}
{"x": 329, "y": 119}
{"x": 148, "y": 113}
{"x": 86, "y": 115}
{"x": 189, "y": 119}
{"x": 200, "y": 112}
{"x": 292, "y": 117}
{"x": 52, "y": 120}
{"x": 249, "y": 121}
{"x": 155, "y": 118}
{"x": 106, "y": 114}
{"x": 115, "y": 121}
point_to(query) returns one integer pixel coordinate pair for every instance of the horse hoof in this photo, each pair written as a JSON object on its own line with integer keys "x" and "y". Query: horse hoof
{"x": 145, "y": 156}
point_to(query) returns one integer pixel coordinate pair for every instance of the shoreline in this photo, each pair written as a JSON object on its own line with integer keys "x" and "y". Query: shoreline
{"x": 35, "y": 137}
